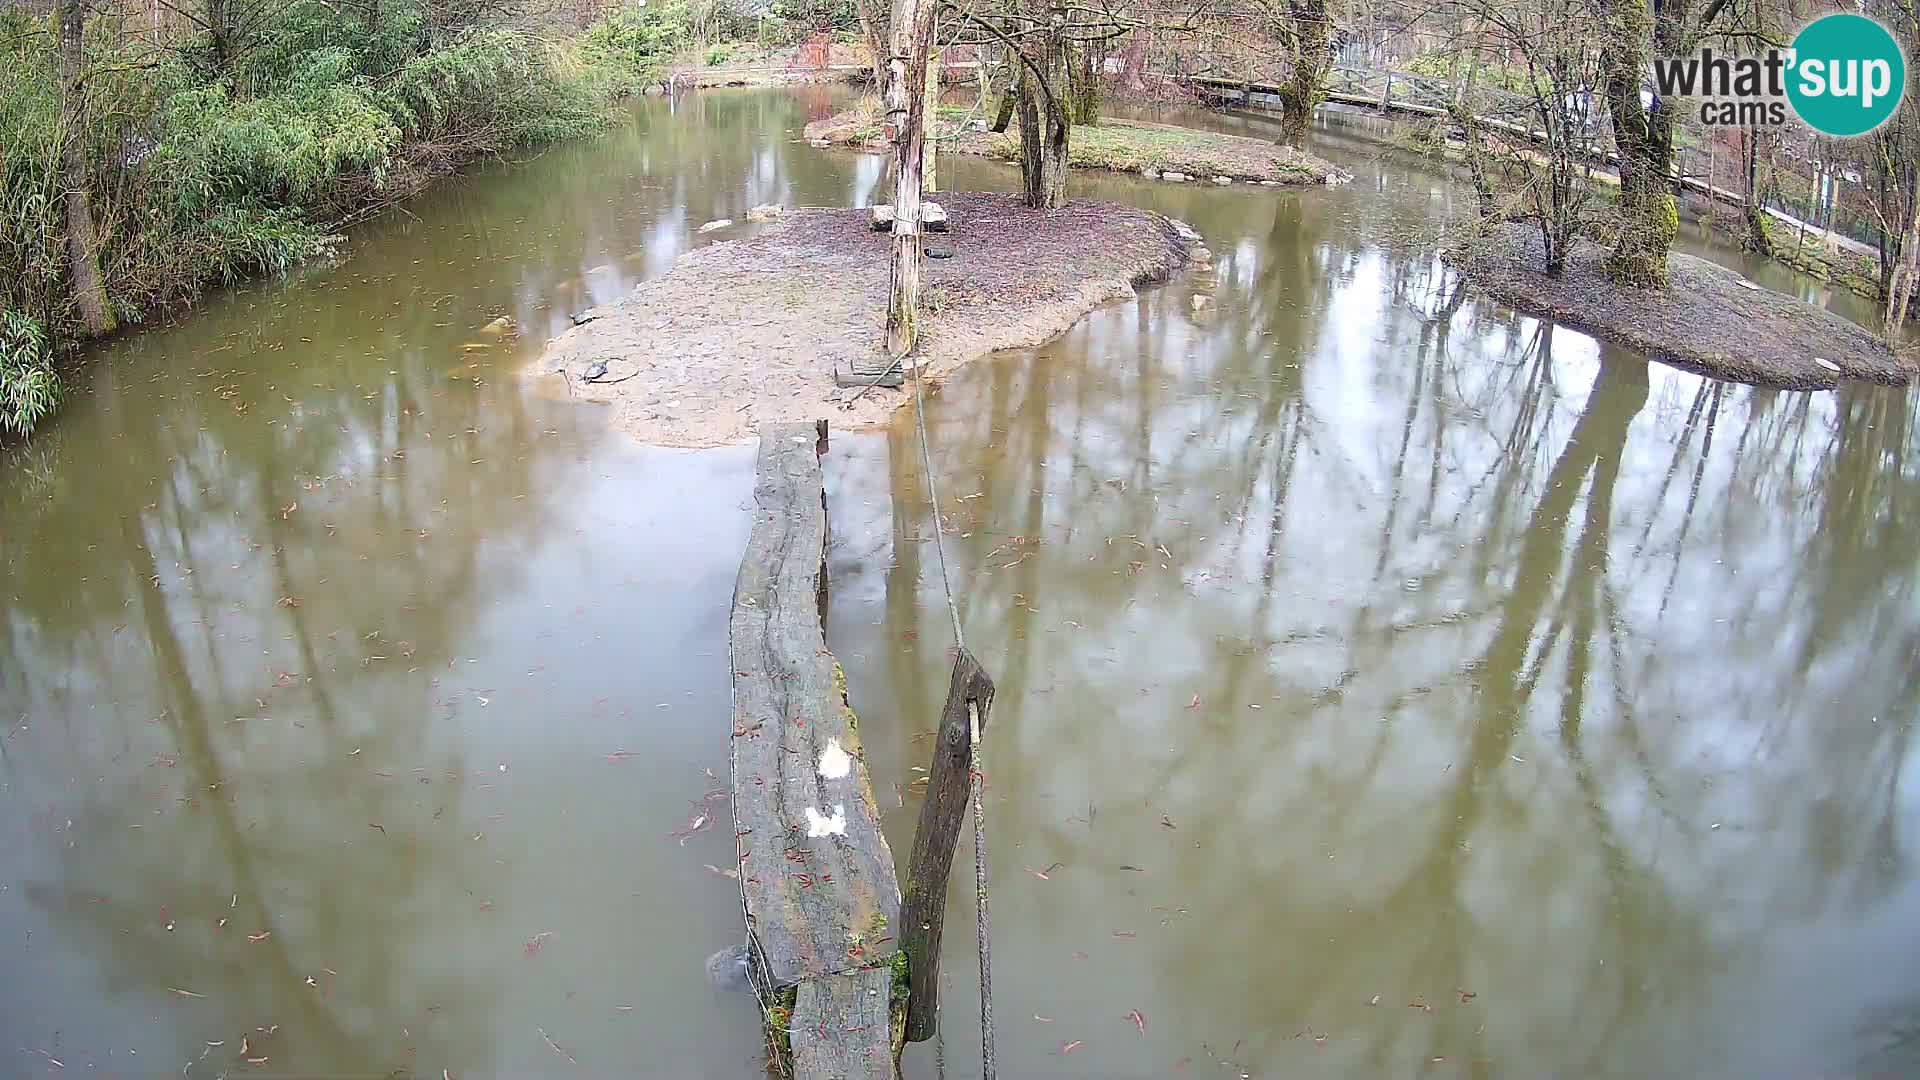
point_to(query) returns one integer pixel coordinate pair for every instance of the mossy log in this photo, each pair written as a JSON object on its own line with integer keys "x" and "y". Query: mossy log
{"x": 816, "y": 875}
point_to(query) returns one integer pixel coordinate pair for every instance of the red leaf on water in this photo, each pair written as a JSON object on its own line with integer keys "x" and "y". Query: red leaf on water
{"x": 1047, "y": 874}
{"x": 1195, "y": 703}
{"x": 538, "y": 941}
{"x": 1068, "y": 1048}
{"x": 1139, "y": 1019}
{"x": 1124, "y": 934}
{"x": 259, "y": 937}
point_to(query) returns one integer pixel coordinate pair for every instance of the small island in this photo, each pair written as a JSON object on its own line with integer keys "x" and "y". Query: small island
{"x": 752, "y": 331}
{"x": 1707, "y": 319}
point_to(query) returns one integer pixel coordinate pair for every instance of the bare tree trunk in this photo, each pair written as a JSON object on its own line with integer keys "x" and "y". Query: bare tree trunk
{"x": 930, "y": 146}
{"x": 1713, "y": 144}
{"x": 83, "y": 254}
{"x": 1755, "y": 236}
{"x": 874, "y": 18}
{"x": 1460, "y": 110}
{"x": 1649, "y": 219}
{"x": 1083, "y": 87}
{"x": 1133, "y": 69}
{"x": 1044, "y": 124}
{"x": 1016, "y": 86}
{"x": 983, "y": 73}
{"x": 1304, "y": 89}
{"x": 220, "y": 31}
{"x": 906, "y": 129}
{"x": 1901, "y": 283}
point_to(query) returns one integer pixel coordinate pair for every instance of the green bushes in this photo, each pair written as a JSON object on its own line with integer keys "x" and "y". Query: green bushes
{"x": 208, "y": 164}
{"x": 28, "y": 389}
{"x": 635, "y": 43}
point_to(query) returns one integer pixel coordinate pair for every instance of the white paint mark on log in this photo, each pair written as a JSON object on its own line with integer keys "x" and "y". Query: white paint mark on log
{"x": 834, "y": 762}
{"x": 819, "y": 824}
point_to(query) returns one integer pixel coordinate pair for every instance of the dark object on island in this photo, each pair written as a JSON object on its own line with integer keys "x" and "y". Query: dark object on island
{"x": 581, "y": 318}
{"x": 594, "y": 372}
{"x": 939, "y": 253}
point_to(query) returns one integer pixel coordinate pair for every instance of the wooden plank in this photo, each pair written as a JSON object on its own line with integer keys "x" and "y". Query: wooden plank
{"x": 841, "y": 1027}
{"x": 924, "y": 910}
{"x": 815, "y": 872}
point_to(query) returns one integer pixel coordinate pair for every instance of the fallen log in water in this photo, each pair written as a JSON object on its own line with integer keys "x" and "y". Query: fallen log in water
{"x": 816, "y": 876}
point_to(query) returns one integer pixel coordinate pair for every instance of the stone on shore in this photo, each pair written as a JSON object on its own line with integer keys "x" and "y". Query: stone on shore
{"x": 766, "y": 212}
{"x": 933, "y": 217}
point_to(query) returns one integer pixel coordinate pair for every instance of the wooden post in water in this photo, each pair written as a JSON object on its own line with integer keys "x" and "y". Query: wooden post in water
{"x": 906, "y": 129}
{"x": 923, "y": 908}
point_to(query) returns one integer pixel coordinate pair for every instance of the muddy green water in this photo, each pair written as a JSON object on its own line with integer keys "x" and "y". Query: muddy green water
{"x": 1390, "y": 684}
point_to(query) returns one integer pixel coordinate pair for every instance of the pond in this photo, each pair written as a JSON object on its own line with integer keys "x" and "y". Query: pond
{"x": 1389, "y": 683}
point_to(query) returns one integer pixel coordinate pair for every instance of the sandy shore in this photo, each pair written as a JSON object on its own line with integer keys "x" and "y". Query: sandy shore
{"x": 751, "y": 331}
{"x": 1709, "y": 319}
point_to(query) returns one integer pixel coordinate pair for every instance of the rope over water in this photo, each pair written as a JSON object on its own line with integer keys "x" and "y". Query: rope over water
{"x": 989, "y": 1070}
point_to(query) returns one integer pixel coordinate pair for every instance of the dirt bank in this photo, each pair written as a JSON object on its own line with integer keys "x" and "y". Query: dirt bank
{"x": 750, "y": 331}
{"x": 1709, "y": 319}
{"x": 1161, "y": 151}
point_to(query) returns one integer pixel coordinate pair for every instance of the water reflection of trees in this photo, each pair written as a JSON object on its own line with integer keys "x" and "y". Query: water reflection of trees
{"x": 1565, "y": 667}
{"x": 224, "y": 606}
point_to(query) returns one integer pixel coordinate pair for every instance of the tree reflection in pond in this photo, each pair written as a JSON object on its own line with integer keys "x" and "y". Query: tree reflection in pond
{"x": 1419, "y": 653}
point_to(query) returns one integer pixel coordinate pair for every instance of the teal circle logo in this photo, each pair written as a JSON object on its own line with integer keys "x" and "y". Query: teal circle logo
{"x": 1847, "y": 76}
